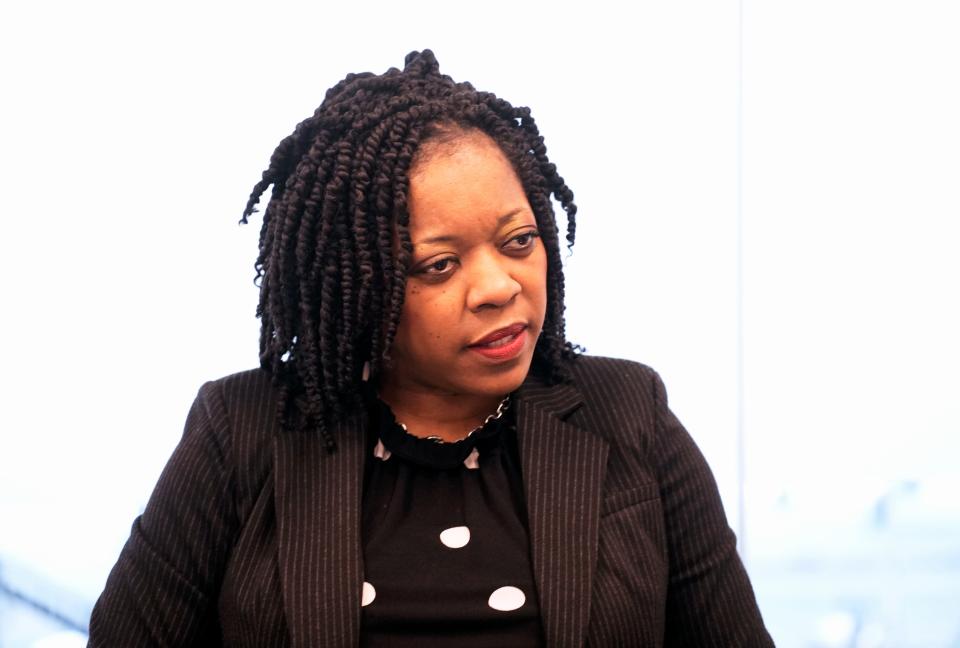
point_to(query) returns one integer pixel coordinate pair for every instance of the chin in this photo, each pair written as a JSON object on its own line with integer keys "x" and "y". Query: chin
{"x": 504, "y": 381}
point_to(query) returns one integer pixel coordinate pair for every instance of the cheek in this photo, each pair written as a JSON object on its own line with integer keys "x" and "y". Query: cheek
{"x": 428, "y": 317}
{"x": 537, "y": 282}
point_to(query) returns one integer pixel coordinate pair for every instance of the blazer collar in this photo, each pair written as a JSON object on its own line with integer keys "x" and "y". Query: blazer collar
{"x": 318, "y": 505}
{"x": 563, "y": 473}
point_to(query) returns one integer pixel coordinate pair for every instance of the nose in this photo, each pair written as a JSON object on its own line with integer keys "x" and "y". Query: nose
{"x": 490, "y": 283}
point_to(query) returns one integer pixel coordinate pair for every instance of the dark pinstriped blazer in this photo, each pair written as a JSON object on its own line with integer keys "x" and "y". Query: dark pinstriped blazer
{"x": 252, "y": 537}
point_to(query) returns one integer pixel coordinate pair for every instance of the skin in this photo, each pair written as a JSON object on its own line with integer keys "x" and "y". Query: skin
{"x": 478, "y": 266}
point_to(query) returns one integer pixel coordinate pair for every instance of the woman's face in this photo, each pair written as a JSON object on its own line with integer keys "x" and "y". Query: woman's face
{"x": 476, "y": 293}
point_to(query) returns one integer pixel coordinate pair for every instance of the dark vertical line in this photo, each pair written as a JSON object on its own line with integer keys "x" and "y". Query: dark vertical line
{"x": 42, "y": 608}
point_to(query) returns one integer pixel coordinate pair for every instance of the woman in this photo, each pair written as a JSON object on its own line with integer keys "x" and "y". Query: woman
{"x": 422, "y": 458}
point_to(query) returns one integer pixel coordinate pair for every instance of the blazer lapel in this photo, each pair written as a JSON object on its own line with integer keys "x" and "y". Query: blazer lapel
{"x": 563, "y": 471}
{"x": 318, "y": 499}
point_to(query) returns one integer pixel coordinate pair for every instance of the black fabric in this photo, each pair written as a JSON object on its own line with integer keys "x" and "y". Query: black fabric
{"x": 252, "y": 536}
{"x": 428, "y": 452}
{"x": 429, "y": 590}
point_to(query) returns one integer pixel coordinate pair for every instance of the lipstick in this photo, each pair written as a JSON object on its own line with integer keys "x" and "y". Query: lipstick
{"x": 504, "y": 344}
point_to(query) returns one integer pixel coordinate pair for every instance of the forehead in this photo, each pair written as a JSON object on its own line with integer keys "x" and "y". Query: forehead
{"x": 462, "y": 184}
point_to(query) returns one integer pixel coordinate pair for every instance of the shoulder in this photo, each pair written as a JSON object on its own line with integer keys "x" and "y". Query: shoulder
{"x": 241, "y": 409}
{"x": 618, "y": 396}
{"x": 239, "y": 394}
{"x": 602, "y": 378}
{"x": 242, "y": 405}
{"x": 623, "y": 402}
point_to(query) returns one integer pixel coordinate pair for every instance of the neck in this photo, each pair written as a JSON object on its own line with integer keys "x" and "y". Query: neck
{"x": 428, "y": 412}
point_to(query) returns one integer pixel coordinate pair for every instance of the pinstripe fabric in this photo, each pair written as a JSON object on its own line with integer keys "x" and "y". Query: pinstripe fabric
{"x": 320, "y": 550}
{"x": 252, "y": 537}
{"x": 563, "y": 471}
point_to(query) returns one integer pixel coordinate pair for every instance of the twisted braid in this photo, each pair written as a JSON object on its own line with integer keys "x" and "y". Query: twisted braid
{"x": 335, "y": 243}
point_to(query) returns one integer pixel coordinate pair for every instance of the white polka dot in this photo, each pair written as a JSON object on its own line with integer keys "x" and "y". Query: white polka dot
{"x": 506, "y": 599}
{"x": 381, "y": 452}
{"x": 473, "y": 460}
{"x": 455, "y": 537}
{"x": 366, "y": 598}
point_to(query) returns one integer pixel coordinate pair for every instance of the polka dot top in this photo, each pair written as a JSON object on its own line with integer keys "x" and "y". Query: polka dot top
{"x": 445, "y": 543}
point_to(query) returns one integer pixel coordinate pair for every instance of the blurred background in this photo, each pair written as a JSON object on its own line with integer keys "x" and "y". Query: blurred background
{"x": 769, "y": 216}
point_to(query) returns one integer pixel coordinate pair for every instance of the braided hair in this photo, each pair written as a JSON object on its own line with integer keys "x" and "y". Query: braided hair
{"x": 335, "y": 245}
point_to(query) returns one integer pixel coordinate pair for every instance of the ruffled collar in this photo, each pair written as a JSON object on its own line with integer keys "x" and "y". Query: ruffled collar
{"x": 393, "y": 439}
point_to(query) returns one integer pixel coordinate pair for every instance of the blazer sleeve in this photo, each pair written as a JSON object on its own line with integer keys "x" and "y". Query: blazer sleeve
{"x": 710, "y": 601}
{"x": 162, "y": 590}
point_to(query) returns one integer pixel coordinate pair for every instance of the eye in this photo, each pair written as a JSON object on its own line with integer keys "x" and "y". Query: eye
{"x": 523, "y": 241}
{"x": 438, "y": 268}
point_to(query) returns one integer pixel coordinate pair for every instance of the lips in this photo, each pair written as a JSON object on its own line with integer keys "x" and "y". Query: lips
{"x": 502, "y": 346}
{"x": 499, "y": 334}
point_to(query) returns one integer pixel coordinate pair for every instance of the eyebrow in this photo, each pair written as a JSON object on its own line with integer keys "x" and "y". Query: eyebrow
{"x": 448, "y": 238}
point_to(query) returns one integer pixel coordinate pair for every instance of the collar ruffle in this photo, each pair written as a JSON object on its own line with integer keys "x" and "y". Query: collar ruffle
{"x": 440, "y": 455}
